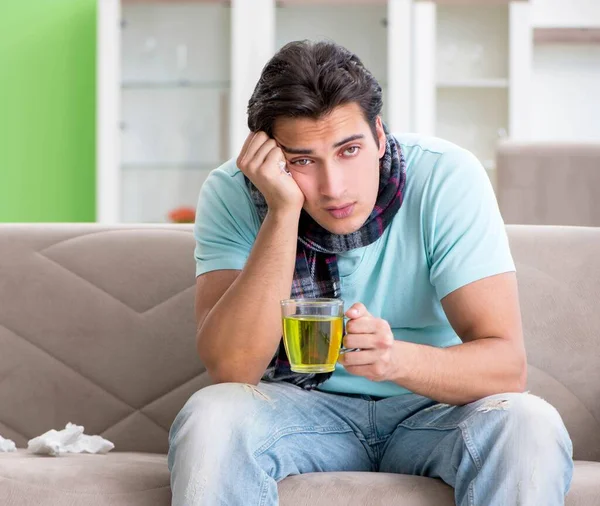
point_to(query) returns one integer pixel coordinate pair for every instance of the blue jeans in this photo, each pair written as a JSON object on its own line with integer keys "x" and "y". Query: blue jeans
{"x": 231, "y": 443}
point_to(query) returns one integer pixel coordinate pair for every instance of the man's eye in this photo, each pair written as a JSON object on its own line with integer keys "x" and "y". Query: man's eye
{"x": 302, "y": 163}
{"x": 352, "y": 150}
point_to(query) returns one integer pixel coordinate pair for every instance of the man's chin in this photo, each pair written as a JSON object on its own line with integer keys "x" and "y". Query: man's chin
{"x": 341, "y": 227}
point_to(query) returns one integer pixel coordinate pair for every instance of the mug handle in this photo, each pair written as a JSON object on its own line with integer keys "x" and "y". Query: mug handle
{"x": 347, "y": 350}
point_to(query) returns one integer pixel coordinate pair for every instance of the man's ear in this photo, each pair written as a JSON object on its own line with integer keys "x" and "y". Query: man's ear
{"x": 380, "y": 136}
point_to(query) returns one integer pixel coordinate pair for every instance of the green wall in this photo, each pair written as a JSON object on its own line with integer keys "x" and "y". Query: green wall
{"x": 47, "y": 110}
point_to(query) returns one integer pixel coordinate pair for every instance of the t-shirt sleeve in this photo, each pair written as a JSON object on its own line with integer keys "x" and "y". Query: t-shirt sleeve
{"x": 464, "y": 230}
{"x": 226, "y": 223}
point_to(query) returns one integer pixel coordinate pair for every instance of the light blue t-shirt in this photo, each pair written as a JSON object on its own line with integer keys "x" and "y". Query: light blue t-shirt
{"x": 447, "y": 234}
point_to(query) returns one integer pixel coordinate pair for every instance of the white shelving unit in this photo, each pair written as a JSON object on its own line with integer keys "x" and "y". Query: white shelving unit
{"x": 481, "y": 83}
{"x": 472, "y": 66}
{"x": 174, "y": 107}
{"x": 175, "y": 86}
{"x": 361, "y": 27}
{"x": 174, "y": 78}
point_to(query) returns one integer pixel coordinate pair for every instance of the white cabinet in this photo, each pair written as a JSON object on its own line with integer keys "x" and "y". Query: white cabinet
{"x": 472, "y": 77}
{"x": 472, "y": 73}
{"x": 174, "y": 79}
{"x": 163, "y": 104}
{"x": 362, "y": 28}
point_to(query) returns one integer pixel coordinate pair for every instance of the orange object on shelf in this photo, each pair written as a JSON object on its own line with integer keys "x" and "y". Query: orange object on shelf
{"x": 182, "y": 215}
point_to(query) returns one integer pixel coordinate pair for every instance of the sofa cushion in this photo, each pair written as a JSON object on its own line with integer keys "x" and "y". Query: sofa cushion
{"x": 585, "y": 488}
{"x": 132, "y": 479}
{"x": 363, "y": 489}
{"x": 382, "y": 489}
{"x": 115, "y": 479}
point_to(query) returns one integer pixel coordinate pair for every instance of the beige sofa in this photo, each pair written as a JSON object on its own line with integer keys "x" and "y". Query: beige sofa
{"x": 97, "y": 328}
{"x": 549, "y": 183}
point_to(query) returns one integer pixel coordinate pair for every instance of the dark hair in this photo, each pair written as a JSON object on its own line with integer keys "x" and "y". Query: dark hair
{"x": 310, "y": 79}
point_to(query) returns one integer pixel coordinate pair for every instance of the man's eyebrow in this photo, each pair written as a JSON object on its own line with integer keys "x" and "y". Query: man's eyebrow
{"x": 303, "y": 151}
{"x": 349, "y": 139}
{"x": 296, "y": 151}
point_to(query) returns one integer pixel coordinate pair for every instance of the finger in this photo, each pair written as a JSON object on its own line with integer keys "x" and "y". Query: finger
{"x": 284, "y": 160}
{"x": 357, "y": 310}
{"x": 355, "y": 358}
{"x": 243, "y": 151}
{"x": 253, "y": 146}
{"x": 362, "y": 325}
{"x": 361, "y": 341}
{"x": 367, "y": 371}
{"x": 275, "y": 155}
{"x": 259, "y": 158}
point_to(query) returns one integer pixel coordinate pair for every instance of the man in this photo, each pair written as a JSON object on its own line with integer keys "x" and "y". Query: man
{"x": 322, "y": 201}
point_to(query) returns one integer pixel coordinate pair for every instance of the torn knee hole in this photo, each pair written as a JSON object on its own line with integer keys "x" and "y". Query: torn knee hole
{"x": 256, "y": 391}
{"x": 494, "y": 405}
{"x": 435, "y": 407}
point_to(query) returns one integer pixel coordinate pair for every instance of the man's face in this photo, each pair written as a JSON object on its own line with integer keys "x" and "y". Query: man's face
{"x": 335, "y": 161}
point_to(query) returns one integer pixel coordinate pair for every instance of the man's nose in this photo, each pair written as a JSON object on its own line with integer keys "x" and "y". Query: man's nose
{"x": 331, "y": 184}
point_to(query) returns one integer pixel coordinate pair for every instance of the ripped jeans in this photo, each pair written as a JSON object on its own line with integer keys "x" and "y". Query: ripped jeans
{"x": 231, "y": 443}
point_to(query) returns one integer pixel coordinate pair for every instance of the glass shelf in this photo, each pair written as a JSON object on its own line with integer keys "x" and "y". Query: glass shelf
{"x": 474, "y": 83}
{"x": 202, "y": 166}
{"x": 182, "y": 83}
{"x": 150, "y": 192}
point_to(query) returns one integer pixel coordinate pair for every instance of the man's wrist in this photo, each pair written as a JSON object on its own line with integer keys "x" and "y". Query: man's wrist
{"x": 403, "y": 352}
{"x": 285, "y": 216}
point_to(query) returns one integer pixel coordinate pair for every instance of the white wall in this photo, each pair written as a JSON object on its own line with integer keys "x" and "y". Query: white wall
{"x": 567, "y": 13}
{"x": 566, "y": 93}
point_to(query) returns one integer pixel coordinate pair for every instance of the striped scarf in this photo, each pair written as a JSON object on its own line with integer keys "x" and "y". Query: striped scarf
{"x": 316, "y": 273}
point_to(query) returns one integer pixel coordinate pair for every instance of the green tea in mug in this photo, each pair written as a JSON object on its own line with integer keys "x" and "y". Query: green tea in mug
{"x": 313, "y": 342}
{"x": 312, "y": 333}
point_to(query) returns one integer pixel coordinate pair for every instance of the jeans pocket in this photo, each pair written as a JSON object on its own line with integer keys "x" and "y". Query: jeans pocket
{"x": 439, "y": 416}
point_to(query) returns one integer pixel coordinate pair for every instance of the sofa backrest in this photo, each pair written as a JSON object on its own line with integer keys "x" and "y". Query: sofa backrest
{"x": 548, "y": 183}
{"x": 97, "y": 328}
{"x": 558, "y": 269}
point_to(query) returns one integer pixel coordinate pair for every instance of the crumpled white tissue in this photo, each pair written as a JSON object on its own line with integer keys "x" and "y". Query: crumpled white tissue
{"x": 7, "y": 445}
{"x": 69, "y": 440}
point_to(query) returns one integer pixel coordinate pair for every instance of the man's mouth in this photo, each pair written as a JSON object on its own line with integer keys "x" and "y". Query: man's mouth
{"x": 340, "y": 212}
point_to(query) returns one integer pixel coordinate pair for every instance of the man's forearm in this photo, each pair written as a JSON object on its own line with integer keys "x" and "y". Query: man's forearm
{"x": 240, "y": 335}
{"x": 463, "y": 373}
